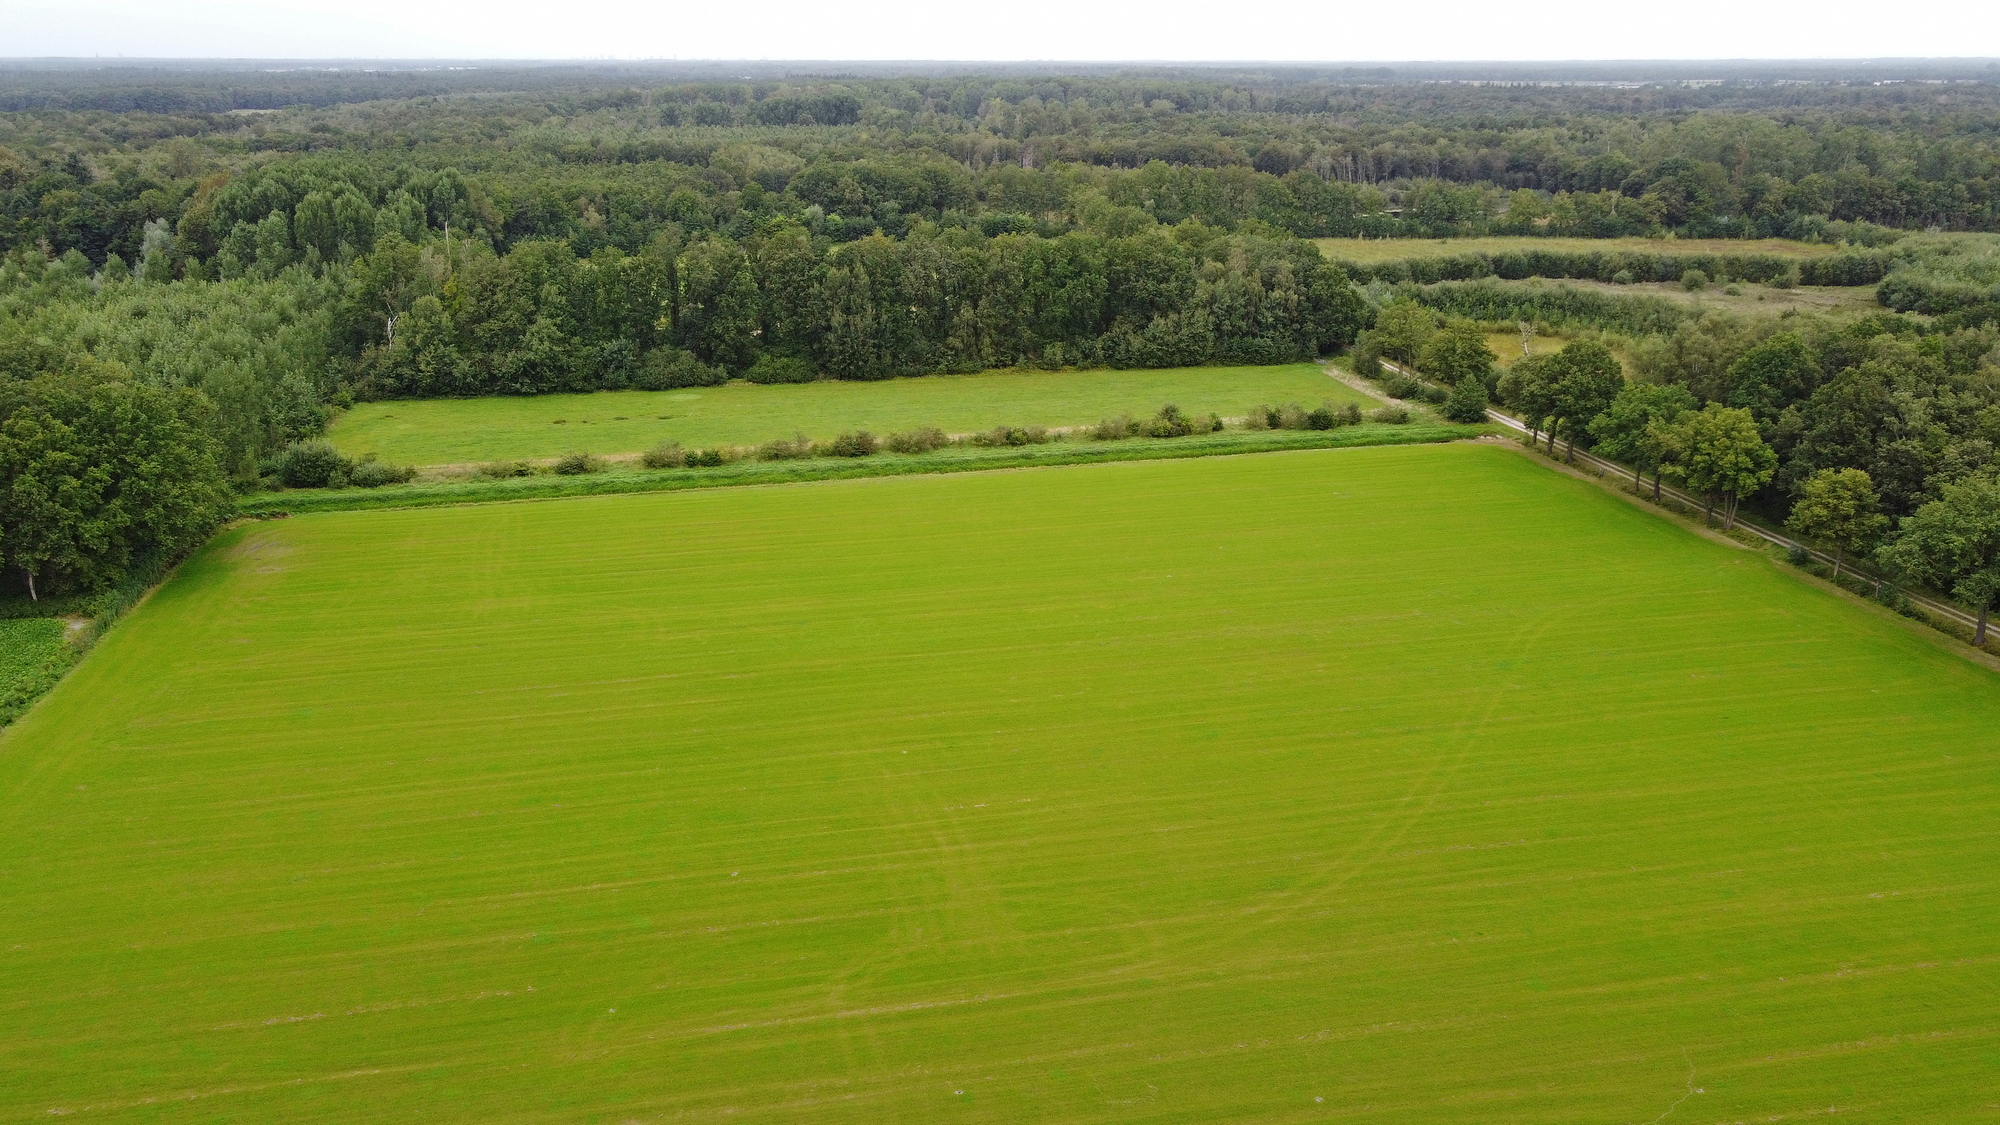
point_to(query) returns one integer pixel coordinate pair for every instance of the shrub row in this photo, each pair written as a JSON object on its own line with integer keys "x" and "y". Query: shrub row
{"x": 1554, "y": 305}
{"x": 1292, "y": 416}
{"x": 1170, "y": 422}
{"x": 316, "y": 464}
{"x": 1848, "y": 267}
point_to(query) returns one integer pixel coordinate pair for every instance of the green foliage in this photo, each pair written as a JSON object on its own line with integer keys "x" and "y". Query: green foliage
{"x": 1391, "y": 415}
{"x": 577, "y": 464}
{"x": 1628, "y": 430}
{"x": 1621, "y": 265}
{"x": 1403, "y": 329}
{"x": 667, "y": 367}
{"x": 855, "y": 443}
{"x": 1560, "y": 306}
{"x": 1952, "y": 544}
{"x": 1694, "y": 281}
{"x": 99, "y": 477}
{"x": 772, "y": 368}
{"x": 370, "y": 473}
{"x": 1116, "y": 429}
{"x": 1457, "y": 352}
{"x": 1773, "y": 374}
{"x": 666, "y": 455}
{"x": 1467, "y": 402}
{"x": 1584, "y": 379}
{"x": 794, "y": 448}
{"x": 1169, "y": 422}
{"x": 1839, "y": 508}
{"x": 310, "y": 464}
{"x": 1718, "y": 452}
{"x": 991, "y": 439}
{"x": 923, "y": 439}
{"x": 32, "y": 657}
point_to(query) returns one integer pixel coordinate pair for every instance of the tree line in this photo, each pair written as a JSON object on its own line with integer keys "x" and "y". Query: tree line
{"x": 1873, "y": 438}
{"x": 776, "y": 307}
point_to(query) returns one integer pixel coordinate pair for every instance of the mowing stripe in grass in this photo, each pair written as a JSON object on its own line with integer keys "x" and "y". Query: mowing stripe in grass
{"x": 1419, "y": 780}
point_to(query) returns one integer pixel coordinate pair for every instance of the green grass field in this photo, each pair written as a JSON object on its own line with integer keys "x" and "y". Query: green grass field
{"x": 1372, "y": 250}
{"x": 1415, "y": 784}
{"x": 453, "y": 431}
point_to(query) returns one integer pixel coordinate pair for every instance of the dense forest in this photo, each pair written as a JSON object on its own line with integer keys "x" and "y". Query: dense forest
{"x": 269, "y": 245}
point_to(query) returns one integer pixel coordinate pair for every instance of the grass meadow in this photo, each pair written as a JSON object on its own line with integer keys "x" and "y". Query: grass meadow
{"x": 456, "y": 431}
{"x": 1411, "y": 784}
{"x": 1369, "y": 251}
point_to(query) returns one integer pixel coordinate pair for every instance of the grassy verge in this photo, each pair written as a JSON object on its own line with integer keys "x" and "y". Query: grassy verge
{"x": 953, "y": 460}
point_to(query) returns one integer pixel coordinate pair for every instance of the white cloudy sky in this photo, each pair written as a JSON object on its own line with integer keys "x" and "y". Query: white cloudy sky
{"x": 1017, "y": 29}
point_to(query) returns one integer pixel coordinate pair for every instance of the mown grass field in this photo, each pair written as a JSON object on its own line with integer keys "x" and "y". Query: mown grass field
{"x": 454, "y": 431}
{"x": 1372, "y": 250}
{"x": 1415, "y": 784}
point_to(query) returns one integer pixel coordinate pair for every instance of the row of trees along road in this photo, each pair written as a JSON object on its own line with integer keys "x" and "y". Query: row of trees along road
{"x": 1951, "y": 544}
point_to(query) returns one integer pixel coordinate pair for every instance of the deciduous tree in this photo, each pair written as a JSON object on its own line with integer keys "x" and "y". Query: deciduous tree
{"x": 1953, "y": 544}
{"x": 1839, "y": 507}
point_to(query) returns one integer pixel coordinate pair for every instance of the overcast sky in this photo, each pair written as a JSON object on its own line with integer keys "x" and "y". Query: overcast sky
{"x": 1307, "y": 30}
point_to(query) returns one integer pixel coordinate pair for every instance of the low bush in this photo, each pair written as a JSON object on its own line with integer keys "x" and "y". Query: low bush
{"x": 370, "y": 473}
{"x": 1467, "y": 401}
{"x": 1399, "y": 385}
{"x": 577, "y": 464}
{"x": 1169, "y": 422}
{"x": 1694, "y": 281}
{"x": 667, "y": 455}
{"x": 704, "y": 458}
{"x": 1011, "y": 435}
{"x": 923, "y": 439}
{"x": 664, "y": 369}
{"x": 500, "y": 470}
{"x": 771, "y": 368}
{"x": 796, "y": 448}
{"x": 859, "y": 443}
{"x": 1292, "y": 416}
{"x": 1623, "y": 277}
{"x": 1114, "y": 429}
{"x": 1392, "y": 415}
{"x": 310, "y": 464}
{"x": 1367, "y": 363}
